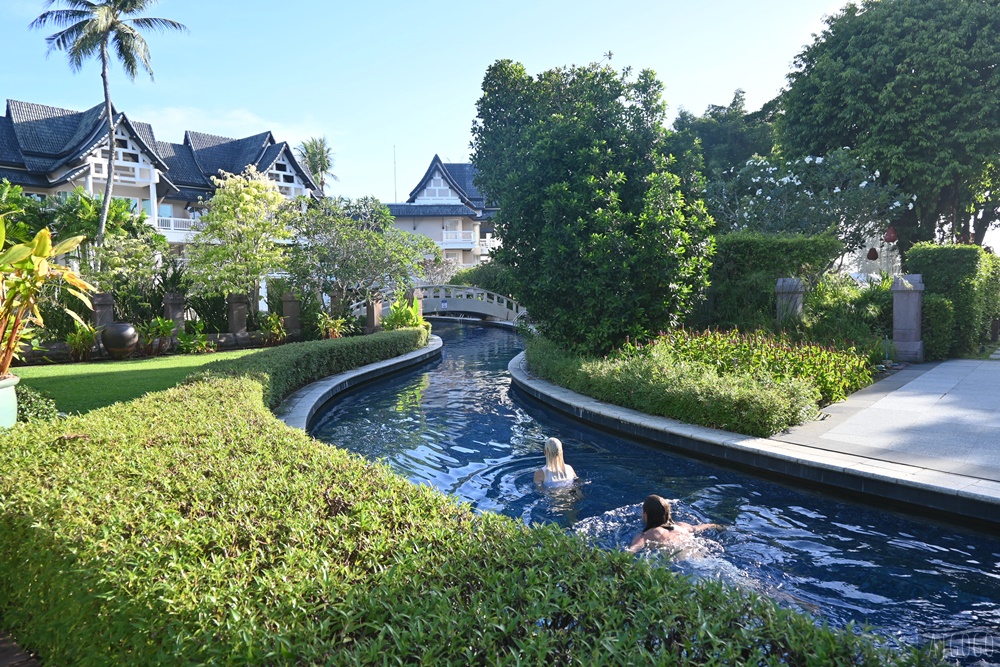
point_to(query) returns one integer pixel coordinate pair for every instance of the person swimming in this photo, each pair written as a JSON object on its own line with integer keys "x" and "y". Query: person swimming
{"x": 660, "y": 529}
{"x": 556, "y": 470}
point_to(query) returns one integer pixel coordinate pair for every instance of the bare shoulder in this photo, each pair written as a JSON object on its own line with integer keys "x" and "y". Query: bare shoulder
{"x": 539, "y": 476}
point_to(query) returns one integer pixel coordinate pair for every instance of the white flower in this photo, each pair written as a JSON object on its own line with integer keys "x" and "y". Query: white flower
{"x": 896, "y": 204}
{"x": 914, "y": 197}
{"x": 808, "y": 159}
{"x": 877, "y": 174}
{"x": 910, "y": 206}
{"x": 819, "y": 160}
{"x": 863, "y": 184}
{"x": 768, "y": 199}
{"x": 836, "y": 190}
{"x": 760, "y": 192}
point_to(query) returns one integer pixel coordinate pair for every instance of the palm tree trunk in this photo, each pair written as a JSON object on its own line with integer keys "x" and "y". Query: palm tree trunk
{"x": 106, "y": 204}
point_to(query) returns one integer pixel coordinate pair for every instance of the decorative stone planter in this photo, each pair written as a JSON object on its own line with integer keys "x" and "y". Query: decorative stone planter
{"x": 119, "y": 339}
{"x": 8, "y": 401}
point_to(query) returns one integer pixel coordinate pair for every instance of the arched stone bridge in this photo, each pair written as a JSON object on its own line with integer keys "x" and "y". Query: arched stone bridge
{"x": 461, "y": 301}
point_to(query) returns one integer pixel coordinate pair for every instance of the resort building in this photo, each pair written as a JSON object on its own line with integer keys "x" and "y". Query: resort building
{"x": 48, "y": 151}
{"x": 446, "y": 207}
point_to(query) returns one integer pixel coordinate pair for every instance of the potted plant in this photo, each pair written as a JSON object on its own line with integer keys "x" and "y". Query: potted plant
{"x": 24, "y": 270}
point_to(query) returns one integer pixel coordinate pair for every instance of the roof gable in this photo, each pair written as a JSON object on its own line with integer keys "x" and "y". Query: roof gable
{"x": 438, "y": 168}
{"x": 213, "y": 153}
{"x": 283, "y": 150}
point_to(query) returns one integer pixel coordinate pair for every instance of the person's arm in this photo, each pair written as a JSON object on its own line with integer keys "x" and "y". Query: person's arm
{"x": 707, "y": 526}
{"x": 572, "y": 473}
{"x": 638, "y": 542}
{"x": 539, "y": 476}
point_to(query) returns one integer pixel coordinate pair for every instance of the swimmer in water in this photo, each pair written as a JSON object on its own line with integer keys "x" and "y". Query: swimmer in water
{"x": 660, "y": 528}
{"x": 556, "y": 471}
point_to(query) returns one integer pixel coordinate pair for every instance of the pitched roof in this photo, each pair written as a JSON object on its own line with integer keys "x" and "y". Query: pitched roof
{"x": 214, "y": 153}
{"x": 459, "y": 176}
{"x": 182, "y": 167}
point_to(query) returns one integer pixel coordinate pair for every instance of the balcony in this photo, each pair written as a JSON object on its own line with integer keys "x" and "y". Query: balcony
{"x": 174, "y": 224}
{"x": 458, "y": 240}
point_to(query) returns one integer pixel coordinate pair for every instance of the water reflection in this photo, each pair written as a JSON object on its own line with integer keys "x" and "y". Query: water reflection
{"x": 456, "y": 425}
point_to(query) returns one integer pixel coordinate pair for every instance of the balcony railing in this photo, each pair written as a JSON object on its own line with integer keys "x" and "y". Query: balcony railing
{"x": 174, "y": 224}
{"x": 458, "y": 239}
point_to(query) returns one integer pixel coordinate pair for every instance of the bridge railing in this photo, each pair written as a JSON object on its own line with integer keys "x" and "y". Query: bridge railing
{"x": 442, "y": 299}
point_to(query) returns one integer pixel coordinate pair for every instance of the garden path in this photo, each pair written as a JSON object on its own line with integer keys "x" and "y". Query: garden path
{"x": 12, "y": 656}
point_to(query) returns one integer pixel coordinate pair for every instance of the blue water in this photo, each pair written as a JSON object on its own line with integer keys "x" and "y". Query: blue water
{"x": 457, "y": 424}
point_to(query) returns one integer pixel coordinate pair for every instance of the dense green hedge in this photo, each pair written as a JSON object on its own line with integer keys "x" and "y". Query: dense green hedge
{"x": 282, "y": 370}
{"x": 970, "y": 277}
{"x": 34, "y": 405}
{"x": 191, "y": 527}
{"x": 695, "y": 392}
{"x": 746, "y": 268}
{"x": 937, "y": 326}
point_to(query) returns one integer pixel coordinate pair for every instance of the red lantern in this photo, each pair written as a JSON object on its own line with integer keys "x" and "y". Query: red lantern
{"x": 873, "y": 254}
{"x": 890, "y": 235}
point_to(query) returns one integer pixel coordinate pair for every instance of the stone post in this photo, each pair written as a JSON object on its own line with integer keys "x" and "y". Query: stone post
{"x": 373, "y": 316}
{"x": 104, "y": 309}
{"x": 173, "y": 309}
{"x": 416, "y": 294}
{"x": 789, "y": 293}
{"x": 291, "y": 308}
{"x": 907, "y": 310}
{"x": 237, "y": 305}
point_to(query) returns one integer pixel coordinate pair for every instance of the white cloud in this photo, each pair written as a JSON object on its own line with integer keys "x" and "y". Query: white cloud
{"x": 170, "y": 123}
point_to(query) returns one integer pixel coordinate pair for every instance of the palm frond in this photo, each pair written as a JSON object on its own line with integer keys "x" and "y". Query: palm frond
{"x": 160, "y": 25}
{"x": 132, "y": 50}
{"x": 59, "y": 18}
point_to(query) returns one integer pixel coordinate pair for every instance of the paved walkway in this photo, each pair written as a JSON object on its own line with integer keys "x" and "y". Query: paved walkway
{"x": 942, "y": 417}
{"x": 12, "y": 656}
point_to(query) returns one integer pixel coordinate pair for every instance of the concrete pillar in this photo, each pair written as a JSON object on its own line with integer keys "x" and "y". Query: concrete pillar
{"x": 789, "y": 293}
{"x": 291, "y": 309}
{"x": 173, "y": 309}
{"x": 907, "y": 310}
{"x": 104, "y": 309}
{"x": 237, "y": 306}
{"x": 373, "y": 316}
{"x": 416, "y": 294}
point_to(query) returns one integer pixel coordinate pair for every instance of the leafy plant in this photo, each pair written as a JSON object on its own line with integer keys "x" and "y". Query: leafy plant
{"x": 491, "y": 276}
{"x": 937, "y": 326}
{"x": 194, "y": 341}
{"x": 155, "y": 336}
{"x": 402, "y": 315}
{"x": 24, "y": 270}
{"x": 273, "y": 327}
{"x": 332, "y": 327}
{"x": 81, "y": 342}
{"x": 211, "y": 310}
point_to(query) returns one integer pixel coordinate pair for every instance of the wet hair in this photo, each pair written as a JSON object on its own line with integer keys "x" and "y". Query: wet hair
{"x": 554, "y": 456}
{"x": 657, "y": 512}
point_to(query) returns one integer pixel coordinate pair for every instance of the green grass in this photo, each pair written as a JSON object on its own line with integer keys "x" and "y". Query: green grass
{"x": 80, "y": 388}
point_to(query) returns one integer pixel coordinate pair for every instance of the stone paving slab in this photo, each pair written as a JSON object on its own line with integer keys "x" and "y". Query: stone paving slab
{"x": 12, "y": 656}
{"x": 944, "y": 454}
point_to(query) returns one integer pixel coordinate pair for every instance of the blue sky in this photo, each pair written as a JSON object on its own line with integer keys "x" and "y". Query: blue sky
{"x": 375, "y": 75}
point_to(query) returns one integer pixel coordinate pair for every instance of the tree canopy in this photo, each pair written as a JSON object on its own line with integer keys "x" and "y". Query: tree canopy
{"x": 912, "y": 86}
{"x": 317, "y": 156}
{"x": 601, "y": 241}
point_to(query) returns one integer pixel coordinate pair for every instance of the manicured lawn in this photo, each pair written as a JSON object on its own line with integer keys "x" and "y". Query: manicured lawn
{"x": 80, "y": 388}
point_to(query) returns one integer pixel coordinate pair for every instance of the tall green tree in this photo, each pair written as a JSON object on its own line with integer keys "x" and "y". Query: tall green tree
{"x": 318, "y": 156}
{"x": 91, "y": 29}
{"x": 601, "y": 241}
{"x": 911, "y": 86}
{"x": 239, "y": 240}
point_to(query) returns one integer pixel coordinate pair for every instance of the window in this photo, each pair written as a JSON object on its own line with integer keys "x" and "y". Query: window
{"x": 166, "y": 210}
{"x": 147, "y": 206}
{"x": 280, "y": 167}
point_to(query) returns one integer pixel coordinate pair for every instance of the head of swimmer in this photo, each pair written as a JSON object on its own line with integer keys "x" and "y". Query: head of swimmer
{"x": 554, "y": 455}
{"x": 656, "y": 512}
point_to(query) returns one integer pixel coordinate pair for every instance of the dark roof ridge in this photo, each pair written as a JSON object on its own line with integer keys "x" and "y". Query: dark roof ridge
{"x": 436, "y": 162}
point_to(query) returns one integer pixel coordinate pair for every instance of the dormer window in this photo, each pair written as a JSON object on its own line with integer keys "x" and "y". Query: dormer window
{"x": 280, "y": 167}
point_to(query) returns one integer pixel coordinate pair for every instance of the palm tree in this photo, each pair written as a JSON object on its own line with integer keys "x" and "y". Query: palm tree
{"x": 88, "y": 29}
{"x": 318, "y": 158}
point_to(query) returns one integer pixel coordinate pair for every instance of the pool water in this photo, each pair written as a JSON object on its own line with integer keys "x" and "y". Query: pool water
{"x": 457, "y": 424}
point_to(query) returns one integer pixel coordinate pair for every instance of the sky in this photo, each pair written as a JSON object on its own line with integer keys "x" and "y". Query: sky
{"x": 391, "y": 84}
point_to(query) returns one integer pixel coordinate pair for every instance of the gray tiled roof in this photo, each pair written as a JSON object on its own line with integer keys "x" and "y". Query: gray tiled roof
{"x": 424, "y": 211}
{"x": 23, "y": 178}
{"x": 10, "y": 153}
{"x": 463, "y": 173}
{"x": 214, "y": 153}
{"x": 190, "y": 194}
{"x": 183, "y": 170}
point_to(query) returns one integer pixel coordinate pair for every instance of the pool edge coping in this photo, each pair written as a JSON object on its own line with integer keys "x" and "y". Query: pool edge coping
{"x": 910, "y": 485}
{"x": 299, "y": 407}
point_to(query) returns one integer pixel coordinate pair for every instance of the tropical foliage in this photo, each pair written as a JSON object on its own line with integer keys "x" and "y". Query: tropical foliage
{"x": 317, "y": 157}
{"x": 601, "y": 241}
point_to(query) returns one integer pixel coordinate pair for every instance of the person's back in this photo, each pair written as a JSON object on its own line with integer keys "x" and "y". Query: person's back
{"x": 661, "y": 529}
{"x": 556, "y": 470}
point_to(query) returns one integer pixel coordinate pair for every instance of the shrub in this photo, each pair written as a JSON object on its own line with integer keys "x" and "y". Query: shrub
{"x": 834, "y": 373}
{"x": 212, "y": 310}
{"x": 34, "y": 405}
{"x": 695, "y": 392}
{"x": 191, "y": 527}
{"x": 194, "y": 340}
{"x": 81, "y": 342}
{"x": 491, "y": 276}
{"x": 284, "y": 369}
{"x": 746, "y": 268}
{"x": 937, "y": 326}
{"x": 838, "y": 312}
{"x": 967, "y": 275}
{"x": 402, "y": 315}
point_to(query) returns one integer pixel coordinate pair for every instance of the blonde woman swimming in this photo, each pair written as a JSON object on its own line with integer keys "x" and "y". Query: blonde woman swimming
{"x": 556, "y": 470}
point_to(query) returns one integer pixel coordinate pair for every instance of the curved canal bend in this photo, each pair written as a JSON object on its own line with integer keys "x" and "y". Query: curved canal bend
{"x": 455, "y": 423}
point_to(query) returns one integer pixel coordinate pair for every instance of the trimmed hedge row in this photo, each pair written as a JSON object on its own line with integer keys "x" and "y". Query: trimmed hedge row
{"x": 937, "y": 326}
{"x": 282, "y": 370}
{"x": 694, "y": 392}
{"x": 970, "y": 277}
{"x": 191, "y": 527}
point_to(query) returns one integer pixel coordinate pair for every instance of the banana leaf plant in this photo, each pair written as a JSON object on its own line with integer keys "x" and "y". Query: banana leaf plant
{"x": 24, "y": 269}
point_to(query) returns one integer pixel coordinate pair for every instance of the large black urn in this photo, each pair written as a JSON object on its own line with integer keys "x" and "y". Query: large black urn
{"x": 119, "y": 339}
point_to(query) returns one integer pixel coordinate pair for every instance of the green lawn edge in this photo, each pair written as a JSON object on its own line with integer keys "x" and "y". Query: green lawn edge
{"x": 192, "y": 527}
